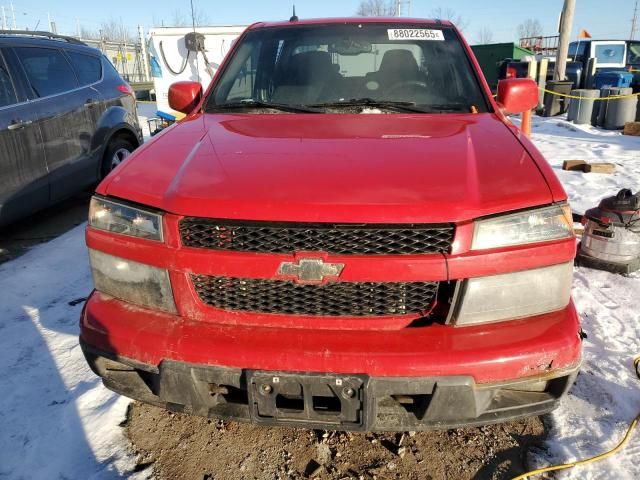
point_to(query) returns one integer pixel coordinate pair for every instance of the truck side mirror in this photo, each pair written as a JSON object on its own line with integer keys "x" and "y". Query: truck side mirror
{"x": 184, "y": 96}
{"x": 517, "y": 95}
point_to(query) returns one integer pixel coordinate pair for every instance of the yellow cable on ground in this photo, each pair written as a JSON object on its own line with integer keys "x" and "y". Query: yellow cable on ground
{"x": 564, "y": 466}
{"x": 613, "y": 451}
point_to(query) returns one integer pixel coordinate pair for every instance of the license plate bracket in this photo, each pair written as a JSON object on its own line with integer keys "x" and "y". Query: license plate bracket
{"x": 321, "y": 400}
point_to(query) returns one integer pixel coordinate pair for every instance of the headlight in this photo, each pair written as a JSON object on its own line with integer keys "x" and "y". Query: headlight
{"x": 131, "y": 281}
{"x": 539, "y": 225}
{"x": 123, "y": 219}
{"x": 514, "y": 295}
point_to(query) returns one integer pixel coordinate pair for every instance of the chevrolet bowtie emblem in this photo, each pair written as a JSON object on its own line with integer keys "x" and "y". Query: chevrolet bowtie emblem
{"x": 310, "y": 269}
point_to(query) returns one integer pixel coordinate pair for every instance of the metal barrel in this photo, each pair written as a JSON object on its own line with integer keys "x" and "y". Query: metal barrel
{"x": 581, "y": 110}
{"x": 603, "y": 106}
{"x": 556, "y": 104}
{"x": 620, "y": 111}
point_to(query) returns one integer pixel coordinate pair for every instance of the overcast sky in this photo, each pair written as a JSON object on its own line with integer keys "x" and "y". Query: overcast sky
{"x": 603, "y": 19}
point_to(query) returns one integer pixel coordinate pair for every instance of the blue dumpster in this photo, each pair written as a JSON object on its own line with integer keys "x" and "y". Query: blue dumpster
{"x": 619, "y": 79}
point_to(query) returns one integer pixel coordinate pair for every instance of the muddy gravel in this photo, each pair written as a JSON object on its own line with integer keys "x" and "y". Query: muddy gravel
{"x": 179, "y": 446}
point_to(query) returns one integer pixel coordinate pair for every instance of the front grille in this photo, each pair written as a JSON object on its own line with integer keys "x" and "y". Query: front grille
{"x": 345, "y": 239}
{"x": 356, "y": 299}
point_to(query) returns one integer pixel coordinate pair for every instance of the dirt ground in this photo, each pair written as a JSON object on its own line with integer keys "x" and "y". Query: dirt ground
{"x": 194, "y": 448}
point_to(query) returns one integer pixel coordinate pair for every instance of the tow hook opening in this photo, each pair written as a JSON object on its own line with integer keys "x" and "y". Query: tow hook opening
{"x": 229, "y": 394}
{"x": 414, "y": 404}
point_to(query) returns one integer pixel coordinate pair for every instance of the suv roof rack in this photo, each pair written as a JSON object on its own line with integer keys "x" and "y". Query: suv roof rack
{"x": 37, "y": 33}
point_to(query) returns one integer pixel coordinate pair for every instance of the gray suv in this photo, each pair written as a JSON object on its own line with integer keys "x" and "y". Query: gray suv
{"x": 67, "y": 119}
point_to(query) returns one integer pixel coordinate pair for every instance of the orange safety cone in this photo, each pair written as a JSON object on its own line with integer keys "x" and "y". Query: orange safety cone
{"x": 525, "y": 126}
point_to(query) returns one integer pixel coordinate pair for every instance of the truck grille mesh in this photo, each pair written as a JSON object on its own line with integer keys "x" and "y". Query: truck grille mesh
{"x": 267, "y": 237}
{"x": 332, "y": 299}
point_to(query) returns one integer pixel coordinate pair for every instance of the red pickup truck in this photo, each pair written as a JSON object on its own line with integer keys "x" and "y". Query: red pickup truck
{"x": 344, "y": 232}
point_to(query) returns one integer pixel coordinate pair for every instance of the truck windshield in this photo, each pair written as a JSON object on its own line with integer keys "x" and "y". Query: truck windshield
{"x": 633, "y": 57}
{"x": 416, "y": 68}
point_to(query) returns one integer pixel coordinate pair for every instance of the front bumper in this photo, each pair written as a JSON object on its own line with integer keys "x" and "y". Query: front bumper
{"x": 329, "y": 401}
{"x": 407, "y": 379}
{"x": 490, "y": 353}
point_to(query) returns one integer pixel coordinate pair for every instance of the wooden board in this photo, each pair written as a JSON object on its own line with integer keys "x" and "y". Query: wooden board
{"x": 600, "y": 168}
{"x": 574, "y": 165}
{"x": 632, "y": 128}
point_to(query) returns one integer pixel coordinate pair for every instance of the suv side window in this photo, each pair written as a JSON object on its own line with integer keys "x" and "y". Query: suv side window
{"x": 87, "y": 67}
{"x": 7, "y": 92}
{"x": 48, "y": 71}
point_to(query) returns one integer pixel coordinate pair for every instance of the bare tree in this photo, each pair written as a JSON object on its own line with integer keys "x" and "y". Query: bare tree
{"x": 115, "y": 30}
{"x": 484, "y": 36}
{"x": 451, "y": 15}
{"x": 180, "y": 18}
{"x": 531, "y": 27}
{"x": 112, "y": 30}
{"x": 87, "y": 34}
{"x": 376, "y": 8}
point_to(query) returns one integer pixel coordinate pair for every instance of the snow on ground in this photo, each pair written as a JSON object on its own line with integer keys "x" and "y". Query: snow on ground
{"x": 58, "y": 421}
{"x": 606, "y": 396}
{"x": 560, "y": 140}
{"x": 56, "y": 418}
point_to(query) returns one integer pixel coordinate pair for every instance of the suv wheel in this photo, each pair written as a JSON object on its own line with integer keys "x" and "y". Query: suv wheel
{"x": 117, "y": 151}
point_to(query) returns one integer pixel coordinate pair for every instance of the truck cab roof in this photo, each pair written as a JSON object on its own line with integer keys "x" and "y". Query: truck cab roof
{"x": 352, "y": 20}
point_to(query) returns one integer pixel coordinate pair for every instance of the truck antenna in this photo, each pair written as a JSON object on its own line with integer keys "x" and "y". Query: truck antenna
{"x": 294, "y": 17}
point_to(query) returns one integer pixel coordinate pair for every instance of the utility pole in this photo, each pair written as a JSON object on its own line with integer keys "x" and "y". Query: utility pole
{"x": 13, "y": 13}
{"x": 4, "y": 19}
{"x": 143, "y": 53}
{"x": 566, "y": 21}
{"x": 634, "y": 22}
{"x": 400, "y": 4}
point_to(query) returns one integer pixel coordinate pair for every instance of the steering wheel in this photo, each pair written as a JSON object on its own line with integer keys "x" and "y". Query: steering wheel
{"x": 398, "y": 87}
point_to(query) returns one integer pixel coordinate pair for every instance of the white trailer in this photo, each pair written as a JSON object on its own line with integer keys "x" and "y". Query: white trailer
{"x": 178, "y": 54}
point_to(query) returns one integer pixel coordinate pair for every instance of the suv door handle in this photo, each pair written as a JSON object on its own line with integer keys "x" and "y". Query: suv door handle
{"x": 18, "y": 124}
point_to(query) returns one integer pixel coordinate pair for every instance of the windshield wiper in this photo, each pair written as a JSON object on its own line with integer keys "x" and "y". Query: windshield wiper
{"x": 449, "y": 107}
{"x": 259, "y": 104}
{"x": 370, "y": 102}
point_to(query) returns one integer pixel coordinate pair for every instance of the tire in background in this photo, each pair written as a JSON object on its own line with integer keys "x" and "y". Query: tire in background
{"x": 117, "y": 151}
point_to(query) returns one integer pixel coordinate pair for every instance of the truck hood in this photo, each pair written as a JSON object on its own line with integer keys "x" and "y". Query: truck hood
{"x": 392, "y": 168}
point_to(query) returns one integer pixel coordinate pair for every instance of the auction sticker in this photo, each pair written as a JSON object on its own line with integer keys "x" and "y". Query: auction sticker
{"x": 414, "y": 34}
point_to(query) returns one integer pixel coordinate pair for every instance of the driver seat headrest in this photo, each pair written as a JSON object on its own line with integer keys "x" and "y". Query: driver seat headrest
{"x": 399, "y": 62}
